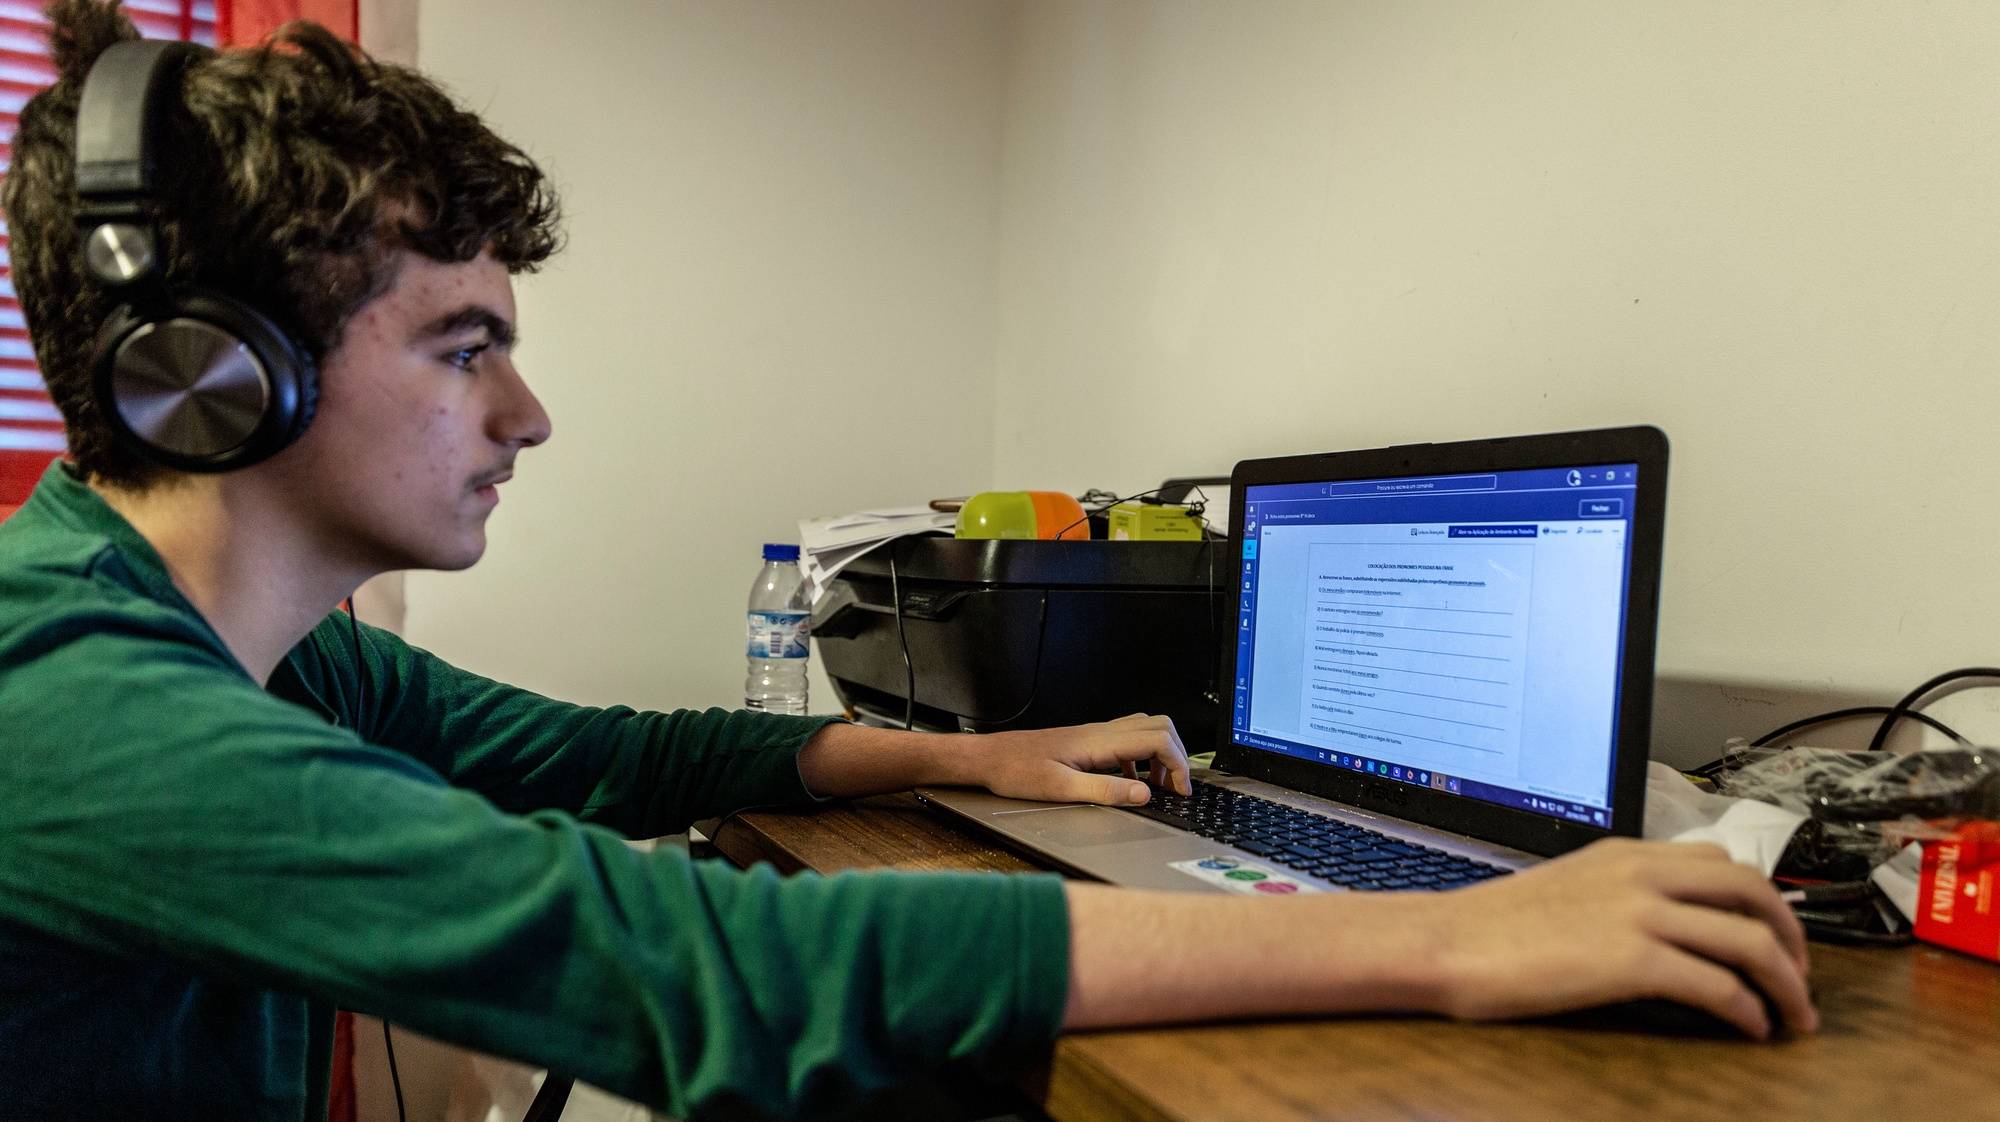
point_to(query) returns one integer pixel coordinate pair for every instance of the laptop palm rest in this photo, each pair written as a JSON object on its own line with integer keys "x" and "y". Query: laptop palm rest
{"x": 1083, "y": 825}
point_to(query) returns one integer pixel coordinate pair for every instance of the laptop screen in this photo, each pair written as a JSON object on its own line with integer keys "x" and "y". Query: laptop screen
{"x": 1461, "y": 632}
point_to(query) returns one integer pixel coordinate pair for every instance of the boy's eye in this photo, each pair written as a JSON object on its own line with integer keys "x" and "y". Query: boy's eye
{"x": 464, "y": 356}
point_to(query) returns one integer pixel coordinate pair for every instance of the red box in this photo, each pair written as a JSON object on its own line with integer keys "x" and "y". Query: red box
{"x": 1958, "y": 894}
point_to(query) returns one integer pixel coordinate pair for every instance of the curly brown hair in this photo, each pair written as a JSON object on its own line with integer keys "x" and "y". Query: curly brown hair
{"x": 300, "y": 168}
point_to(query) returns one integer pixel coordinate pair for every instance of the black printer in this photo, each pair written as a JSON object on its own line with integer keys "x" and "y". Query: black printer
{"x": 1012, "y": 634}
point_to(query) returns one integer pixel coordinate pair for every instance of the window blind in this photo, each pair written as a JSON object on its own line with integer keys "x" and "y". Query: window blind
{"x": 31, "y": 432}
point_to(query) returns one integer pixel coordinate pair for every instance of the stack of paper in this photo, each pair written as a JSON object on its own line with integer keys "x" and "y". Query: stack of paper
{"x": 828, "y": 545}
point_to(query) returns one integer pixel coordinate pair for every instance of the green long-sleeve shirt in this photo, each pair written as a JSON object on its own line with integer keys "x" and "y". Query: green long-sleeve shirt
{"x": 195, "y": 871}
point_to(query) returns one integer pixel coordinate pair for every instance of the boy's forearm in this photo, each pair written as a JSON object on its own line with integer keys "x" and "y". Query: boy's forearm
{"x": 1612, "y": 922}
{"x": 1149, "y": 957}
{"x": 1084, "y": 763}
{"x": 848, "y": 761}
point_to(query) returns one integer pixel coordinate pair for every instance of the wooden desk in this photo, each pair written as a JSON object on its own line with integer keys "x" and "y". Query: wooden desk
{"x": 1908, "y": 1034}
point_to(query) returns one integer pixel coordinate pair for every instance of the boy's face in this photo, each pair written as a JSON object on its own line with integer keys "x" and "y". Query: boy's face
{"x": 421, "y": 415}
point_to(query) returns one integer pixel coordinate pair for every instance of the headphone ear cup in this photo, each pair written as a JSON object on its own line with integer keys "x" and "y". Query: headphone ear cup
{"x": 103, "y": 370}
{"x": 208, "y": 384}
{"x": 293, "y": 374}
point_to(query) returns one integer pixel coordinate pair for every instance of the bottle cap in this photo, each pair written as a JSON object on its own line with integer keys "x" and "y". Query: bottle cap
{"x": 779, "y": 551}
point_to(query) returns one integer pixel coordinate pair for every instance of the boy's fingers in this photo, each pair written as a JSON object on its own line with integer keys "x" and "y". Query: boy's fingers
{"x": 1748, "y": 947}
{"x": 1692, "y": 980}
{"x": 1735, "y": 888}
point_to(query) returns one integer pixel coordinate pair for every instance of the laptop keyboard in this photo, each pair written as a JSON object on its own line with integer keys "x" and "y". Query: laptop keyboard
{"x": 1347, "y": 855}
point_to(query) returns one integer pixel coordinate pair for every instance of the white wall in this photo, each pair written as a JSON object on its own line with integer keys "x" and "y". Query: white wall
{"x": 1773, "y": 229}
{"x": 1154, "y": 237}
{"x": 778, "y": 280}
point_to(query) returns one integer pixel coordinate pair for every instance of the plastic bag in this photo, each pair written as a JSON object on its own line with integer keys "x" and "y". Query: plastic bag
{"x": 1868, "y": 803}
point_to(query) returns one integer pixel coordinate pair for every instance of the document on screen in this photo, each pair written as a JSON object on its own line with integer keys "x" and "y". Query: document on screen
{"x": 1416, "y": 644}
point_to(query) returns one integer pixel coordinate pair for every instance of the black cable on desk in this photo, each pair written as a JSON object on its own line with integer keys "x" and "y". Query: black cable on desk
{"x": 1715, "y": 767}
{"x": 1857, "y": 711}
{"x": 1041, "y": 647}
{"x": 1193, "y": 512}
{"x": 903, "y": 643}
{"x": 1208, "y": 608}
{"x": 1903, "y": 708}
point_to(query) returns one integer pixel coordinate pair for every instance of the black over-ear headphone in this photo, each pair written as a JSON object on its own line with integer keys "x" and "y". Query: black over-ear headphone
{"x": 196, "y": 380}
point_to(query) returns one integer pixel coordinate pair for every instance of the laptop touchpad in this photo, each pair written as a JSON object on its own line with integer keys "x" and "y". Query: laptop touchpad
{"x": 1084, "y": 825}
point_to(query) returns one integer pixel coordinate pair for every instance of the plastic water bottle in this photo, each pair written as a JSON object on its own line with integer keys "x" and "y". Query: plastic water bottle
{"x": 780, "y": 623}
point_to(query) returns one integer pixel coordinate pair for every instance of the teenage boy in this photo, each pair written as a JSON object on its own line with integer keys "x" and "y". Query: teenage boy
{"x": 226, "y": 809}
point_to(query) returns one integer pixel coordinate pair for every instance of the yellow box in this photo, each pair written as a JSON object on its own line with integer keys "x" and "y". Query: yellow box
{"x": 1146, "y": 522}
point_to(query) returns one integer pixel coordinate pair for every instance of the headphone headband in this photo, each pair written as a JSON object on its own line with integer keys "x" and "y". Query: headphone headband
{"x": 199, "y": 381}
{"x": 117, "y": 149}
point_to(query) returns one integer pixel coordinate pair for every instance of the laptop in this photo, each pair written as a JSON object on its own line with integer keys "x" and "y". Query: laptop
{"x": 1441, "y": 672}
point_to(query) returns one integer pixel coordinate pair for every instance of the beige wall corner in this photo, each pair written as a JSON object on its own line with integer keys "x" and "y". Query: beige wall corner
{"x": 389, "y": 30}
{"x": 379, "y": 602}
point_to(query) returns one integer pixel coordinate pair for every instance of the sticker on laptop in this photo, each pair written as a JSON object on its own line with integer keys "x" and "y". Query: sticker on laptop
{"x": 1233, "y": 874}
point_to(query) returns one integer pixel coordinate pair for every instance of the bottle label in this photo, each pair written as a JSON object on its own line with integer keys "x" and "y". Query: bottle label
{"x": 779, "y": 634}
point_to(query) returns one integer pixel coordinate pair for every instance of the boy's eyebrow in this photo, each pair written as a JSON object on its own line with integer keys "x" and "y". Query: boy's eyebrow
{"x": 469, "y": 317}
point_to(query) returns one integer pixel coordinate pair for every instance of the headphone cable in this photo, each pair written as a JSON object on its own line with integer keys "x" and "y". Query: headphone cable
{"x": 368, "y": 688}
{"x": 554, "y": 1092}
{"x": 395, "y": 1077}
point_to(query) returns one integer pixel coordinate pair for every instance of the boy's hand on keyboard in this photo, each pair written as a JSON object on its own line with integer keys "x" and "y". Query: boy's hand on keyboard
{"x": 1069, "y": 764}
{"x": 1623, "y": 920}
